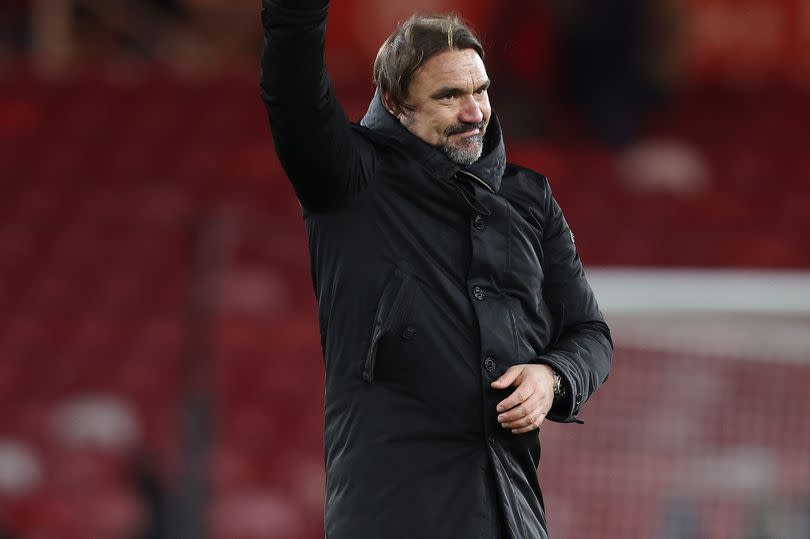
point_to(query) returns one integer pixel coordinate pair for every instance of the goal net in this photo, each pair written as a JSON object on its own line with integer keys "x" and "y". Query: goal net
{"x": 703, "y": 429}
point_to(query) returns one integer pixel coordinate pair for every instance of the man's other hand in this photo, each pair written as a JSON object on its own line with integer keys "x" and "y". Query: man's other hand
{"x": 527, "y": 406}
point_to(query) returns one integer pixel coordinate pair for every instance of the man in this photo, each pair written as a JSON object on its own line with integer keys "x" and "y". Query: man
{"x": 453, "y": 309}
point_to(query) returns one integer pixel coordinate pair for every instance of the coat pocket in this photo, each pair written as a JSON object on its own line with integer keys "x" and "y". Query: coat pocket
{"x": 391, "y": 308}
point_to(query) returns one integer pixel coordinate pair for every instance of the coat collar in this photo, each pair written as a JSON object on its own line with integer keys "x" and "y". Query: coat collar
{"x": 489, "y": 168}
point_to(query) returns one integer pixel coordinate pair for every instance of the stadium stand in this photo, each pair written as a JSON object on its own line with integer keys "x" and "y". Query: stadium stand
{"x": 108, "y": 175}
{"x": 104, "y": 180}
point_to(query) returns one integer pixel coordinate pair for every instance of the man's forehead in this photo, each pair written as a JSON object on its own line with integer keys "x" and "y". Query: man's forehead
{"x": 458, "y": 68}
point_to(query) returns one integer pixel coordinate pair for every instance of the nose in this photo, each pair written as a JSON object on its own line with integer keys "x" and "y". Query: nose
{"x": 470, "y": 111}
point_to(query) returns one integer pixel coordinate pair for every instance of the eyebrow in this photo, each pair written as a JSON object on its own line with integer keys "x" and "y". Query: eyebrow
{"x": 441, "y": 92}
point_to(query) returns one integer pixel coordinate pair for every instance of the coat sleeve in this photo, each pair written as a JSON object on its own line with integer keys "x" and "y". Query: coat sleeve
{"x": 582, "y": 352}
{"x": 324, "y": 158}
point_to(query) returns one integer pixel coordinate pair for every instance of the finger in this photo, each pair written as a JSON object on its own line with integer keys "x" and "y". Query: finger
{"x": 529, "y": 428}
{"x": 518, "y": 396}
{"x": 508, "y": 378}
{"x": 535, "y": 417}
{"x": 520, "y": 411}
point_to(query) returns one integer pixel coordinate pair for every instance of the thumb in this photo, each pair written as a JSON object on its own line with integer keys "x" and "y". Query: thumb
{"x": 508, "y": 378}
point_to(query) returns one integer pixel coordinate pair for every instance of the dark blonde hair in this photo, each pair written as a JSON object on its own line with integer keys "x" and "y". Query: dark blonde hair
{"x": 413, "y": 43}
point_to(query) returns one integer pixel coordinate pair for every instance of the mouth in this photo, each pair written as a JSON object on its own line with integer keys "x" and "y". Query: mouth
{"x": 465, "y": 130}
{"x": 468, "y": 133}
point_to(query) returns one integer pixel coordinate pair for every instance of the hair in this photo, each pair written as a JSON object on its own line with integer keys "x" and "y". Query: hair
{"x": 412, "y": 44}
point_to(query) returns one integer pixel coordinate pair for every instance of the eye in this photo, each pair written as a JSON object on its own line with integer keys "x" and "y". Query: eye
{"x": 447, "y": 97}
{"x": 481, "y": 91}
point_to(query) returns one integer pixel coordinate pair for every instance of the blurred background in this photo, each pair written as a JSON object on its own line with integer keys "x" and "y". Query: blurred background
{"x": 160, "y": 367}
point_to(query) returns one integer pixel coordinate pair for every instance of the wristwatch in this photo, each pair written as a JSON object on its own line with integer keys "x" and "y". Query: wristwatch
{"x": 559, "y": 388}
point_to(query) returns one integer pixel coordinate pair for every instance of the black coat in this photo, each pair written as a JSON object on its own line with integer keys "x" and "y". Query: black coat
{"x": 431, "y": 280}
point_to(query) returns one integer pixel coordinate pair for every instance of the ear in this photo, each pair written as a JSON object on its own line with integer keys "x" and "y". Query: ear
{"x": 395, "y": 110}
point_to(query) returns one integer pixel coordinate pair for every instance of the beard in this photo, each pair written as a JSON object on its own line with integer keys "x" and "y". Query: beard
{"x": 467, "y": 150}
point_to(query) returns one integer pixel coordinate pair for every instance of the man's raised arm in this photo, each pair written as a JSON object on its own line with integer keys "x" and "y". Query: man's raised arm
{"x": 322, "y": 156}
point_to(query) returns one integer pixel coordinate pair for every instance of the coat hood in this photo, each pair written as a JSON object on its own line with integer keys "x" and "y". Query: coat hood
{"x": 490, "y": 167}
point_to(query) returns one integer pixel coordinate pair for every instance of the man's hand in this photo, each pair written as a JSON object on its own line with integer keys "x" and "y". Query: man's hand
{"x": 525, "y": 409}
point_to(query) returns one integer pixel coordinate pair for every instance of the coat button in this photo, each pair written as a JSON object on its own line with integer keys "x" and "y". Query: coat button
{"x": 478, "y": 293}
{"x": 489, "y": 364}
{"x": 479, "y": 222}
{"x": 408, "y": 334}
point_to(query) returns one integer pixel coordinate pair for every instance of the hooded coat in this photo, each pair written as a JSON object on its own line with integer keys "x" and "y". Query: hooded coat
{"x": 432, "y": 279}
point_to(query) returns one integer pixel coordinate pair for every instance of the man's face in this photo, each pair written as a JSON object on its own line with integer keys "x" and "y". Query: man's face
{"x": 450, "y": 105}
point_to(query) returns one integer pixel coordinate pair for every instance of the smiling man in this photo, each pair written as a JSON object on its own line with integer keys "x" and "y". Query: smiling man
{"x": 447, "y": 104}
{"x": 454, "y": 312}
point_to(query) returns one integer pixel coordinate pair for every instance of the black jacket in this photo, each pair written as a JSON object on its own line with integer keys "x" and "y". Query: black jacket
{"x": 431, "y": 280}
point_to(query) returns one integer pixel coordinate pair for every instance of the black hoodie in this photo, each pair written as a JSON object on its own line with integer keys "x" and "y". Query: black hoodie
{"x": 432, "y": 279}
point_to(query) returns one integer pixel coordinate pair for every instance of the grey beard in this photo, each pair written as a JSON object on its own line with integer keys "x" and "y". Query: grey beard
{"x": 466, "y": 154}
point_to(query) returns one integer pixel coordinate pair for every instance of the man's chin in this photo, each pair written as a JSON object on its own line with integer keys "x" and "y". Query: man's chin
{"x": 465, "y": 152}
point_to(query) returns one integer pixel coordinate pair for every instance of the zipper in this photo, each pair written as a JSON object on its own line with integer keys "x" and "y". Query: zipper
{"x": 391, "y": 307}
